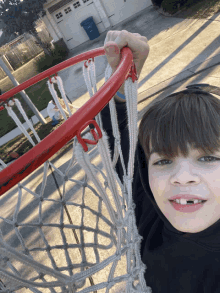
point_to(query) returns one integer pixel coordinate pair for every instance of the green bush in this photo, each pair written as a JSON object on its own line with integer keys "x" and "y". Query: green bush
{"x": 58, "y": 54}
{"x": 191, "y": 2}
{"x": 157, "y": 2}
{"x": 172, "y": 6}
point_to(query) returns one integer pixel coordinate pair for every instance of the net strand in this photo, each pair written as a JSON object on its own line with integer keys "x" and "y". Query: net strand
{"x": 19, "y": 124}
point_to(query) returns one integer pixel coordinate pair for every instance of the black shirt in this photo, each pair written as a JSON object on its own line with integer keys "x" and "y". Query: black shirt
{"x": 177, "y": 262}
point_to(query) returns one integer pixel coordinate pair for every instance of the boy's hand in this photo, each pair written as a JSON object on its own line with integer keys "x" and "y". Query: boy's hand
{"x": 116, "y": 40}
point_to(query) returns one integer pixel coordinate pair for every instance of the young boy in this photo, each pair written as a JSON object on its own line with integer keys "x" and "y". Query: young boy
{"x": 53, "y": 112}
{"x": 176, "y": 186}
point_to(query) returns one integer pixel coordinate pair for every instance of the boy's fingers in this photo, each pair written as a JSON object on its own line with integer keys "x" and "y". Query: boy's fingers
{"x": 111, "y": 48}
{"x": 126, "y": 38}
{"x": 116, "y": 40}
{"x": 112, "y": 54}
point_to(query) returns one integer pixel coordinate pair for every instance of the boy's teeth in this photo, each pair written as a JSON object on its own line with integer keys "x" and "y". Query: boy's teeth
{"x": 184, "y": 201}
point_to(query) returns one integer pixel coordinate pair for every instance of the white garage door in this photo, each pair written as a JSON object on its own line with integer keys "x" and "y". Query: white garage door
{"x": 119, "y": 10}
{"x": 70, "y": 16}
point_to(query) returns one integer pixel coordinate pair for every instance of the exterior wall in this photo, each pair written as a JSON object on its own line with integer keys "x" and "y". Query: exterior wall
{"x": 52, "y": 26}
{"x": 64, "y": 17}
{"x": 54, "y": 34}
{"x": 119, "y": 10}
{"x": 106, "y": 13}
{"x": 102, "y": 13}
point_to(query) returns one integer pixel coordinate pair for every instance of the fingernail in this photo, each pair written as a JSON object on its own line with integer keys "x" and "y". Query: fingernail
{"x": 112, "y": 49}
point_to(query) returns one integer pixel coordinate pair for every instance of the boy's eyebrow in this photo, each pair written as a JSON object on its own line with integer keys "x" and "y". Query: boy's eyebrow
{"x": 153, "y": 151}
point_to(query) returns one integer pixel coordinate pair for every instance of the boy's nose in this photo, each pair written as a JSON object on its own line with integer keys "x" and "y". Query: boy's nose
{"x": 185, "y": 176}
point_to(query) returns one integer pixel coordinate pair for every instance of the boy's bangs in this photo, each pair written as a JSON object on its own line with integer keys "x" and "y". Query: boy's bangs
{"x": 180, "y": 121}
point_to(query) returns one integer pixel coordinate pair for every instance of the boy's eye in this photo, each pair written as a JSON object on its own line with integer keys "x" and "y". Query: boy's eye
{"x": 161, "y": 162}
{"x": 210, "y": 159}
{"x": 207, "y": 159}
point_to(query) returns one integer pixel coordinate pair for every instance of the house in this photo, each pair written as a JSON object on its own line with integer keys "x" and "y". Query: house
{"x": 63, "y": 17}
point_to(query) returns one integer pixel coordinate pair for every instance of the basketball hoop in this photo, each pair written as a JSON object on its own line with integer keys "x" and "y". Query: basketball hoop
{"x": 71, "y": 241}
{"x": 57, "y": 139}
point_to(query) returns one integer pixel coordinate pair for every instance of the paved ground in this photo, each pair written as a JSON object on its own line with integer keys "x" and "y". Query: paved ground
{"x": 182, "y": 52}
{"x": 179, "y": 48}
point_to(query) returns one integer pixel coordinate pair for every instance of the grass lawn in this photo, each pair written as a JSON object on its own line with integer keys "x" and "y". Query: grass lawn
{"x": 21, "y": 144}
{"x": 39, "y": 95}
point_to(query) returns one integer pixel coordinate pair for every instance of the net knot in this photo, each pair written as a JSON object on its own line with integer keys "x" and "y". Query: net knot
{"x": 118, "y": 256}
{"x": 138, "y": 239}
{"x": 110, "y": 285}
{"x": 129, "y": 212}
{"x": 41, "y": 276}
{"x": 84, "y": 184}
{"x": 72, "y": 286}
{"x": 88, "y": 61}
{"x": 26, "y": 251}
{"x": 70, "y": 266}
{"x": 120, "y": 224}
{"x": 133, "y": 206}
{"x": 65, "y": 246}
{"x": 106, "y": 183}
{"x": 128, "y": 179}
{"x": 15, "y": 224}
{"x": 131, "y": 244}
{"x": 142, "y": 268}
{"x": 53, "y": 79}
{"x": 11, "y": 103}
{"x": 3, "y": 261}
{"x": 117, "y": 141}
{"x": 136, "y": 271}
{"x": 48, "y": 248}
{"x": 130, "y": 279}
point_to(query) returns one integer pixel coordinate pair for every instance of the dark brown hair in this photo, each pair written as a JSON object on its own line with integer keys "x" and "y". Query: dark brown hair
{"x": 189, "y": 117}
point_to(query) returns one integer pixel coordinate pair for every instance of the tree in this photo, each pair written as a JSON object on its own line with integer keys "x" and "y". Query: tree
{"x": 20, "y": 16}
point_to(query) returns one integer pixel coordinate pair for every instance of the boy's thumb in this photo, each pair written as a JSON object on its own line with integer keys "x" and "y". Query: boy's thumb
{"x": 112, "y": 53}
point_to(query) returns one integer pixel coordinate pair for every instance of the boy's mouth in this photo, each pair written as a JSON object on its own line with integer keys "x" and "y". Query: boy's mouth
{"x": 187, "y": 206}
{"x": 183, "y": 201}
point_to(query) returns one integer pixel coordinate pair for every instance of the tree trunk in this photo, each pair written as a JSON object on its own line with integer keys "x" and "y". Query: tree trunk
{"x": 40, "y": 43}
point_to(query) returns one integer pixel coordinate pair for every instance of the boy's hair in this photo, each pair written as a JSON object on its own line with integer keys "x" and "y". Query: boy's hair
{"x": 187, "y": 118}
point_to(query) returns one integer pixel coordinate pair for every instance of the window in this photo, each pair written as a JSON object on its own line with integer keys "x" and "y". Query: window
{"x": 59, "y": 15}
{"x": 67, "y": 10}
{"x": 76, "y": 4}
{"x": 84, "y": 1}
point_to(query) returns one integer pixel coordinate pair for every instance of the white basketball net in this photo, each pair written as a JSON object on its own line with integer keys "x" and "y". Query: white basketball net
{"x": 82, "y": 235}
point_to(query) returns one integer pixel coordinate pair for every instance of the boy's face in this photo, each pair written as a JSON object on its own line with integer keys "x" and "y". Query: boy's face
{"x": 198, "y": 174}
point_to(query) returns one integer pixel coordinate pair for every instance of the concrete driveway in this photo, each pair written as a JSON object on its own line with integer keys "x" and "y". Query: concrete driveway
{"x": 179, "y": 48}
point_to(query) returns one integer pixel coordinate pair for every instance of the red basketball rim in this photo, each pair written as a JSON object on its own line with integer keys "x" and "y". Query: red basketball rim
{"x": 39, "y": 154}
